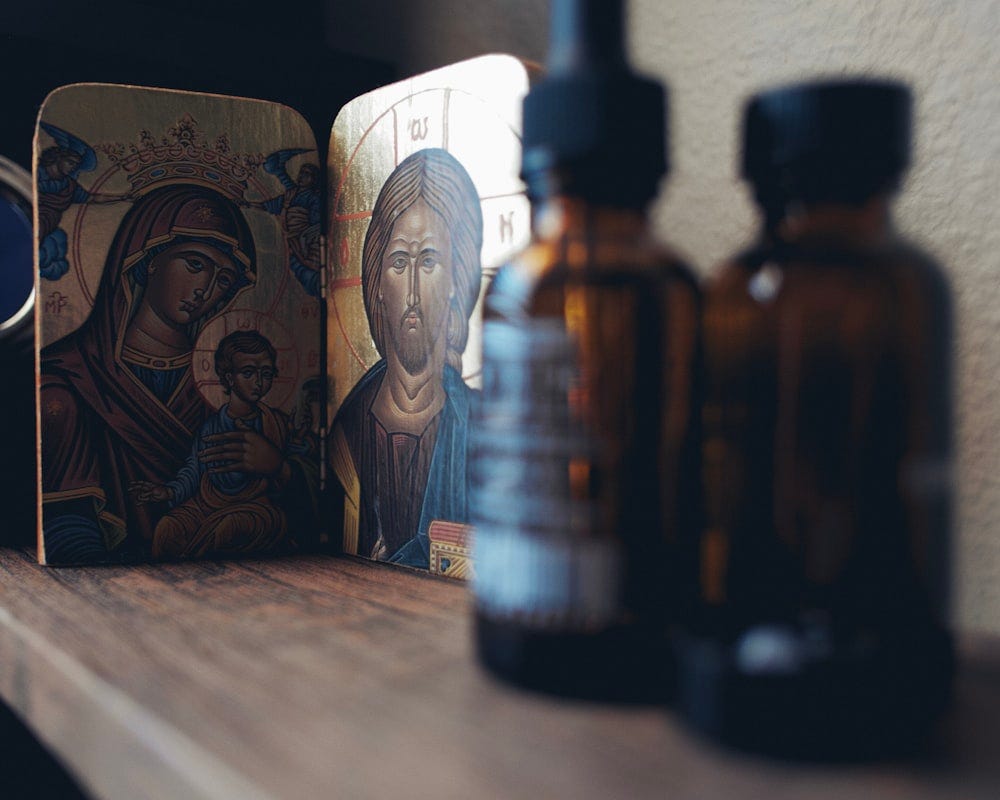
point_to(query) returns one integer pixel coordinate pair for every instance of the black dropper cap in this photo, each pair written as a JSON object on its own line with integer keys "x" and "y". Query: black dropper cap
{"x": 592, "y": 127}
{"x": 833, "y": 141}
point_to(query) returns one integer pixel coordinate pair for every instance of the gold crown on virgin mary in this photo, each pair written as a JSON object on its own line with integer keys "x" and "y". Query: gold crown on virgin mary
{"x": 184, "y": 156}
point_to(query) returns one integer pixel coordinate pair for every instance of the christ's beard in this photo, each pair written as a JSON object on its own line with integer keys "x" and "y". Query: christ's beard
{"x": 413, "y": 347}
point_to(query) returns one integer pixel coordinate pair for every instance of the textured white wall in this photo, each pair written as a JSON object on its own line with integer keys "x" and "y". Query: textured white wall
{"x": 418, "y": 35}
{"x": 713, "y": 53}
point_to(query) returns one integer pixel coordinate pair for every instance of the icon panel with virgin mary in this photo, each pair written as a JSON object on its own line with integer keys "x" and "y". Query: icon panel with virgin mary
{"x": 179, "y": 326}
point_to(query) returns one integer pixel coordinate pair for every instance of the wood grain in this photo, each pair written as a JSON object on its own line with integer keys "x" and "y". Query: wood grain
{"x": 317, "y": 677}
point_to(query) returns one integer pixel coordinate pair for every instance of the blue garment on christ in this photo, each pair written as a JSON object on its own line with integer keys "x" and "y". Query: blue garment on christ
{"x": 447, "y": 490}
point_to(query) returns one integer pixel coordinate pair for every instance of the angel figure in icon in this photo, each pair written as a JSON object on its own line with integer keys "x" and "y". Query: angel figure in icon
{"x": 59, "y": 188}
{"x": 299, "y": 208}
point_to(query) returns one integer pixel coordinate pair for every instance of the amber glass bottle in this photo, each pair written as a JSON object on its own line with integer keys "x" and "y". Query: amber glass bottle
{"x": 585, "y": 467}
{"x": 826, "y": 423}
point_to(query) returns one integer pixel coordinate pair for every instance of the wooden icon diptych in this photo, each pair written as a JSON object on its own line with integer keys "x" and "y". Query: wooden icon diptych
{"x": 218, "y": 313}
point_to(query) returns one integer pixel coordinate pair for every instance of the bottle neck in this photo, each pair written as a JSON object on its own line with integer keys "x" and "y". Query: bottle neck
{"x": 568, "y": 217}
{"x": 868, "y": 224}
{"x": 584, "y": 33}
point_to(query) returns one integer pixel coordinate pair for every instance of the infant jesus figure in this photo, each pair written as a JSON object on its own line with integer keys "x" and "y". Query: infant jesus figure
{"x": 225, "y": 499}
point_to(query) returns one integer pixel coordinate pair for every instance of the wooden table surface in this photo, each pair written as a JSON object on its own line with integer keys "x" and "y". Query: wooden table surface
{"x": 316, "y": 677}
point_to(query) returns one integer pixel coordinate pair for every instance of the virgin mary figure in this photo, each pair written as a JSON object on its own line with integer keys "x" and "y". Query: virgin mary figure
{"x": 118, "y": 402}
